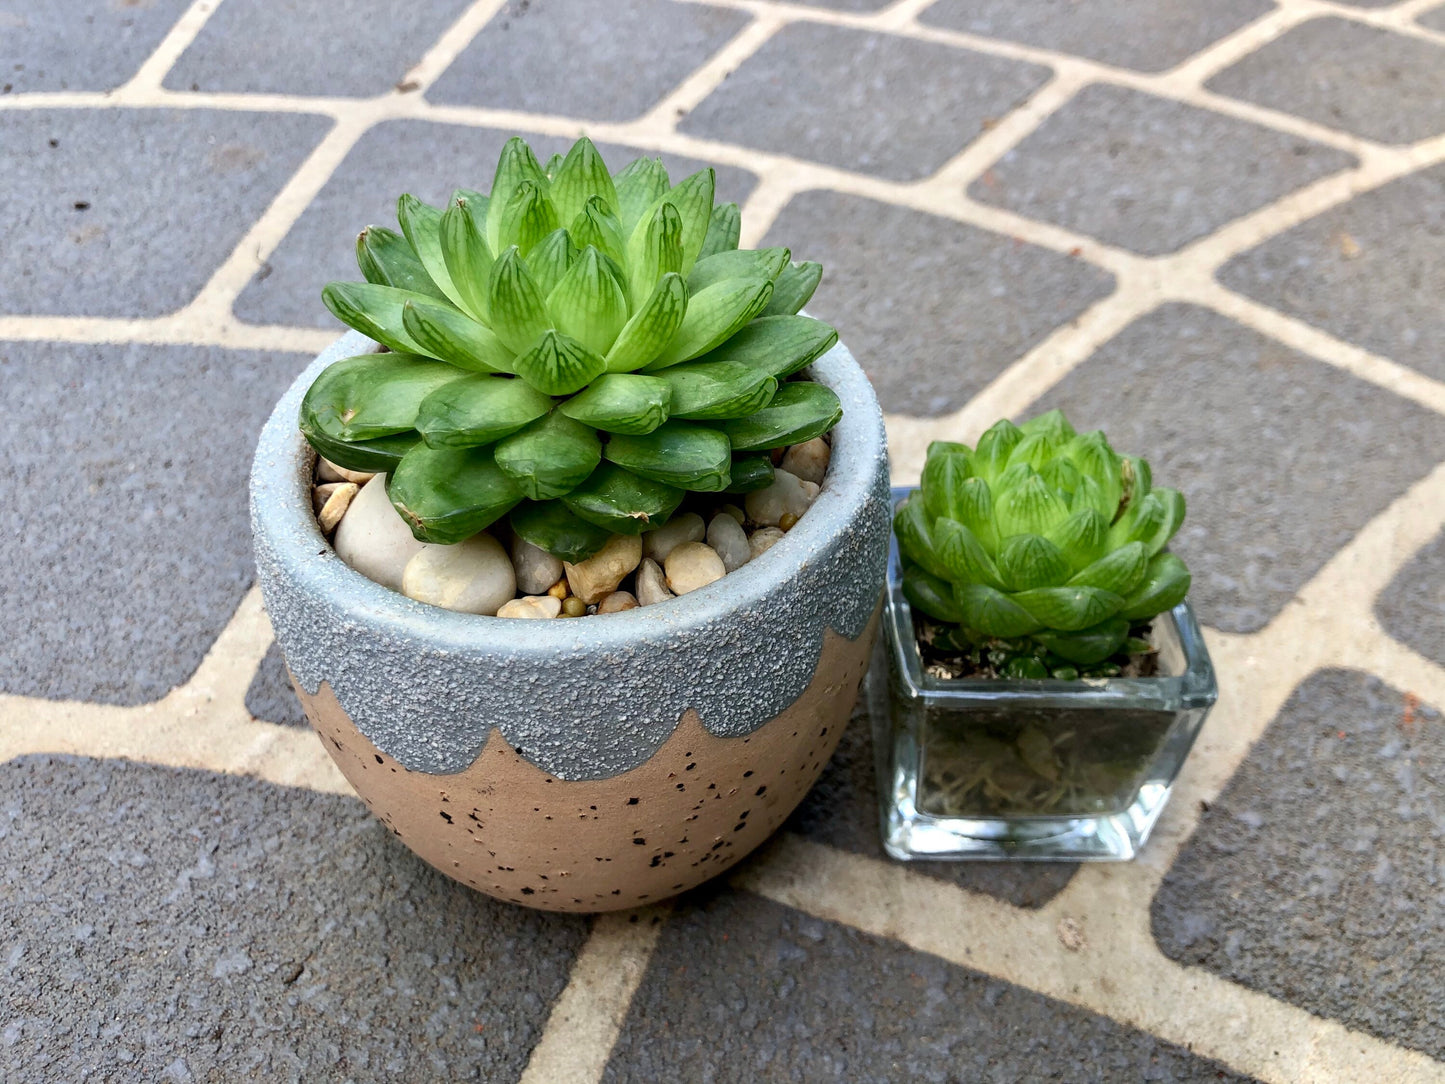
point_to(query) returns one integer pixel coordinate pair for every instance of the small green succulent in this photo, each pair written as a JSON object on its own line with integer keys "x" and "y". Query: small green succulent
{"x": 576, "y": 351}
{"x": 1041, "y": 543}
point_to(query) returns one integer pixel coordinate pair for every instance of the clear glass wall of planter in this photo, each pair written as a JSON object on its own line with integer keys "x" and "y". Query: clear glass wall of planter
{"x": 985, "y": 768}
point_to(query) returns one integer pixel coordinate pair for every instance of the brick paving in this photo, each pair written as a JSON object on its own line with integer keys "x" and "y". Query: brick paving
{"x": 1212, "y": 228}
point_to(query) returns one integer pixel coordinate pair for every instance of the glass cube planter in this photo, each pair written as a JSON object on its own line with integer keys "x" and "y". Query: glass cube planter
{"x": 1032, "y": 769}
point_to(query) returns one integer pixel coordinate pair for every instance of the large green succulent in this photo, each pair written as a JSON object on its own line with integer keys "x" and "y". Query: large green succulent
{"x": 1041, "y": 534}
{"x": 577, "y": 350}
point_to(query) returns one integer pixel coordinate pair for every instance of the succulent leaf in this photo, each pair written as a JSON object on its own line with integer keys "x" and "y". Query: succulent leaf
{"x": 1028, "y": 560}
{"x": 800, "y": 411}
{"x": 516, "y": 309}
{"x": 1091, "y": 645}
{"x": 639, "y": 187}
{"x": 588, "y": 304}
{"x": 375, "y": 311}
{"x": 1118, "y": 572}
{"x": 992, "y": 612}
{"x": 692, "y": 198}
{"x": 622, "y": 403}
{"x": 944, "y": 473}
{"x": 914, "y": 529}
{"x": 552, "y": 526}
{"x": 651, "y": 327}
{"x": 1172, "y": 503}
{"x": 655, "y": 250}
{"x": 1164, "y": 586}
{"x": 743, "y": 405}
{"x": 467, "y": 257}
{"x": 622, "y": 502}
{"x": 380, "y": 455}
{"x": 1068, "y": 609}
{"x": 930, "y": 594}
{"x": 1082, "y": 537}
{"x": 700, "y": 386}
{"x": 723, "y": 230}
{"x": 478, "y": 410}
{"x": 580, "y": 177}
{"x": 372, "y": 395}
{"x": 559, "y": 365}
{"x": 777, "y": 345}
{"x": 421, "y": 223}
{"x": 750, "y": 472}
{"x": 386, "y": 258}
{"x": 1052, "y": 425}
{"x": 793, "y": 287}
{"x": 737, "y": 263}
{"x": 550, "y": 260}
{"x": 442, "y": 332}
{"x": 713, "y": 316}
{"x": 528, "y": 217}
{"x": 677, "y": 454}
{"x": 516, "y": 164}
{"x": 962, "y": 554}
{"x": 991, "y": 457}
{"x": 550, "y": 457}
{"x": 597, "y": 226}
{"x": 446, "y": 495}
{"x": 1029, "y": 507}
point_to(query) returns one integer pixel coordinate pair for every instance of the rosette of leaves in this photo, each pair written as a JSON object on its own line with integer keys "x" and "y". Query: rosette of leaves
{"x": 575, "y": 350}
{"x": 1041, "y": 544}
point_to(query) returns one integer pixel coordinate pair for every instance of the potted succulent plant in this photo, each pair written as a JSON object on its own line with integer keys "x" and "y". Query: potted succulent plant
{"x": 1043, "y": 676}
{"x": 576, "y": 397}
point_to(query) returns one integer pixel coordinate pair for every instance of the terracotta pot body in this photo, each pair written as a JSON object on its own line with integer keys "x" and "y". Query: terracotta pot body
{"x": 596, "y": 763}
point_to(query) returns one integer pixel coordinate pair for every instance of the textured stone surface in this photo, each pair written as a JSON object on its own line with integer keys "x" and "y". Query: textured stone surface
{"x": 162, "y": 924}
{"x": 1372, "y": 82}
{"x": 874, "y": 103}
{"x": 1148, "y": 174}
{"x": 1148, "y": 37}
{"x": 1368, "y": 271}
{"x": 425, "y": 159}
{"x": 566, "y": 57}
{"x": 92, "y": 227}
{"x": 1434, "y": 19}
{"x": 742, "y": 989}
{"x": 270, "y": 696}
{"x": 934, "y": 309}
{"x": 321, "y": 47}
{"x": 1412, "y": 608}
{"x": 1265, "y": 442}
{"x": 78, "y": 44}
{"x": 1315, "y": 876}
{"x": 126, "y": 548}
{"x": 842, "y": 811}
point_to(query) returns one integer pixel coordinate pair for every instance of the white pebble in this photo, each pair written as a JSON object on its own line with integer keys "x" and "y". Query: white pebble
{"x": 327, "y": 471}
{"x": 617, "y": 602}
{"x": 373, "y": 539}
{"x": 473, "y": 577}
{"x": 788, "y": 493}
{"x": 537, "y": 570}
{"x": 651, "y": 584}
{"x": 736, "y": 512}
{"x": 693, "y": 565}
{"x": 532, "y": 606}
{"x": 764, "y": 539}
{"x": 727, "y": 537}
{"x": 657, "y": 544}
{"x": 809, "y": 460}
{"x": 597, "y": 577}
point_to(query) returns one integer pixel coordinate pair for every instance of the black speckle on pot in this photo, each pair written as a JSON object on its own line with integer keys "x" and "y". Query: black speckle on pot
{"x": 446, "y": 816}
{"x": 640, "y": 841}
{"x": 632, "y": 801}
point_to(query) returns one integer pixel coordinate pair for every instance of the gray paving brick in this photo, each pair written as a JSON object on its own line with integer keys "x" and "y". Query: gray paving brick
{"x": 805, "y": 94}
{"x": 78, "y": 44}
{"x": 1368, "y": 271}
{"x": 842, "y": 811}
{"x": 322, "y": 47}
{"x": 1362, "y": 79}
{"x": 934, "y": 309}
{"x": 743, "y": 989}
{"x": 1316, "y": 875}
{"x": 126, "y": 545}
{"x": 1146, "y": 37}
{"x": 269, "y": 696}
{"x": 841, "y": 5}
{"x": 1282, "y": 458}
{"x": 1434, "y": 19}
{"x": 1146, "y": 173}
{"x": 1412, "y": 608}
{"x": 576, "y": 59}
{"x": 128, "y": 212}
{"x": 162, "y": 924}
{"x": 429, "y": 160}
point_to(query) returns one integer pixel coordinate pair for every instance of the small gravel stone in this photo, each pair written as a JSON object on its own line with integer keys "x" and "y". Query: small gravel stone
{"x": 788, "y": 493}
{"x": 617, "y": 602}
{"x": 688, "y": 527}
{"x": 809, "y": 460}
{"x": 532, "y": 606}
{"x": 736, "y": 512}
{"x": 537, "y": 570}
{"x": 693, "y": 565}
{"x": 573, "y": 606}
{"x": 764, "y": 539}
{"x": 327, "y": 471}
{"x": 559, "y": 590}
{"x": 597, "y": 577}
{"x": 373, "y": 539}
{"x": 788, "y": 522}
{"x": 651, "y": 584}
{"x": 726, "y": 536}
{"x": 472, "y": 577}
{"x": 336, "y": 501}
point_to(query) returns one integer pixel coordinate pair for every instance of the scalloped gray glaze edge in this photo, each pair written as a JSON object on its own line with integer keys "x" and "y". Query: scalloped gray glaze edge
{"x": 585, "y": 699}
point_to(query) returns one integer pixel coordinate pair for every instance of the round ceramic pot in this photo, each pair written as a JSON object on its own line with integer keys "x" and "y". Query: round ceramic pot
{"x": 591, "y": 764}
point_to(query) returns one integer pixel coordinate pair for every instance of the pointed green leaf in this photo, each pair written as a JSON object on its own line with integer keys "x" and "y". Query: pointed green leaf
{"x": 1029, "y": 507}
{"x": 373, "y": 395}
{"x": 468, "y": 259}
{"x": 750, "y": 472}
{"x": 693, "y": 200}
{"x": 743, "y": 405}
{"x": 550, "y": 260}
{"x": 776, "y": 345}
{"x": 930, "y": 595}
{"x": 597, "y": 226}
{"x": 446, "y": 495}
{"x": 944, "y": 474}
{"x": 677, "y": 454}
{"x": 1030, "y": 560}
{"x": 991, "y": 457}
{"x": 1061, "y": 476}
{"x": 972, "y": 505}
{"x": 1141, "y": 521}
{"x": 516, "y": 309}
{"x": 1165, "y": 583}
{"x": 380, "y": 455}
{"x": 1094, "y": 644}
{"x": 477, "y": 410}
{"x": 963, "y": 555}
{"x": 737, "y": 263}
{"x": 1171, "y": 503}
{"x": 1035, "y": 449}
{"x": 1069, "y": 609}
{"x": 1119, "y": 572}
{"x": 621, "y": 403}
{"x": 1136, "y": 479}
{"x": 699, "y": 386}
{"x": 550, "y": 456}
{"x": 655, "y": 250}
{"x": 793, "y": 287}
{"x": 713, "y": 316}
{"x": 652, "y": 326}
{"x": 375, "y": 311}
{"x": 588, "y": 304}
{"x": 1081, "y": 537}
{"x": 987, "y": 610}
{"x": 621, "y": 502}
{"x": 443, "y": 332}
{"x": 914, "y": 530}
{"x": 527, "y": 218}
{"x": 639, "y": 188}
{"x": 422, "y": 225}
{"x": 559, "y": 365}
{"x": 581, "y": 176}
{"x": 1090, "y": 452}
{"x": 551, "y": 526}
{"x": 387, "y": 259}
{"x": 723, "y": 229}
{"x": 516, "y": 164}
{"x": 947, "y": 447}
{"x": 1052, "y": 425}
{"x": 800, "y": 411}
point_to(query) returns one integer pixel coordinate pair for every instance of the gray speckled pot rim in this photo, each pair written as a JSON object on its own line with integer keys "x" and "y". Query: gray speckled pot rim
{"x": 585, "y": 698}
